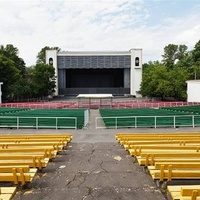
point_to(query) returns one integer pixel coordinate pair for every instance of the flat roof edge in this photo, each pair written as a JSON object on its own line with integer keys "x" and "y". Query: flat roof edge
{"x": 88, "y": 53}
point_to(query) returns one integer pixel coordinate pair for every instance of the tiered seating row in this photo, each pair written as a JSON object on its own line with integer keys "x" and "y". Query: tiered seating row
{"x": 187, "y": 109}
{"x": 147, "y": 117}
{"x": 22, "y": 155}
{"x": 167, "y": 157}
{"x": 41, "y": 118}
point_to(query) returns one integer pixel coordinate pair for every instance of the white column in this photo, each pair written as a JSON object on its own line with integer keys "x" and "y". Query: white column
{"x": 52, "y": 55}
{"x": 136, "y": 71}
{"x": 0, "y": 93}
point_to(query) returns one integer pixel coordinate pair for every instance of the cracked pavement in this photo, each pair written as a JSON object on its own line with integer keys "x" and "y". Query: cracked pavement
{"x": 92, "y": 171}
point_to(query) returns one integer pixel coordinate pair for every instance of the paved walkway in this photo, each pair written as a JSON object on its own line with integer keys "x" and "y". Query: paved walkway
{"x": 93, "y": 115}
{"x": 92, "y": 171}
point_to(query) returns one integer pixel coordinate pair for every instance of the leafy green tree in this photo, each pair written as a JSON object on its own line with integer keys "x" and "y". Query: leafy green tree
{"x": 9, "y": 76}
{"x": 12, "y": 52}
{"x": 178, "y": 77}
{"x": 196, "y": 53}
{"x": 173, "y": 54}
{"x": 156, "y": 82}
{"x": 163, "y": 82}
{"x": 195, "y": 67}
{"x": 170, "y": 55}
{"x": 41, "y": 57}
{"x": 43, "y": 79}
{"x": 185, "y": 62}
{"x": 182, "y": 52}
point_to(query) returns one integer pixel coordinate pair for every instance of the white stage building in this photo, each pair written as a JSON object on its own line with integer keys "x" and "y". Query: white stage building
{"x": 92, "y": 72}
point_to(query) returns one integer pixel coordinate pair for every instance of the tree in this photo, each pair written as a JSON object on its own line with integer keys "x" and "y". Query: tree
{"x": 174, "y": 53}
{"x": 170, "y": 55}
{"x": 43, "y": 79}
{"x": 9, "y": 76}
{"x": 41, "y": 57}
{"x": 12, "y": 52}
{"x": 160, "y": 82}
{"x": 196, "y": 52}
{"x": 156, "y": 82}
{"x": 178, "y": 77}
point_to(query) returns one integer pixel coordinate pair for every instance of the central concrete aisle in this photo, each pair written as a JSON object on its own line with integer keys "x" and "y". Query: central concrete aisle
{"x": 94, "y": 114}
{"x": 92, "y": 171}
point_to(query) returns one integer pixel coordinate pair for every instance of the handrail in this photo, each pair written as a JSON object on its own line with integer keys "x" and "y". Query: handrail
{"x": 38, "y": 122}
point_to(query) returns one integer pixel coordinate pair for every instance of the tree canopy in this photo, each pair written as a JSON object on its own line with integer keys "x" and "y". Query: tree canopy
{"x": 21, "y": 82}
{"x": 167, "y": 79}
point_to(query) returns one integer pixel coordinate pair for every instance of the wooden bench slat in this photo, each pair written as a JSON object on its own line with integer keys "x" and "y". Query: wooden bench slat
{"x": 178, "y": 165}
{"x": 26, "y": 168}
{"x": 175, "y": 191}
{"x": 39, "y": 163}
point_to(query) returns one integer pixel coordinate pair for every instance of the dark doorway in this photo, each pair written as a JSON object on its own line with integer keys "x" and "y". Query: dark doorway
{"x": 94, "y": 78}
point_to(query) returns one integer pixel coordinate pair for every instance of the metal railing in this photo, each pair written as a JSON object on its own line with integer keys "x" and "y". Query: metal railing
{"x": 38, "y": 122}
{"x": 130, "y": 104}
{"x": 103, "y": 104}
{"x": 147, "y": 121}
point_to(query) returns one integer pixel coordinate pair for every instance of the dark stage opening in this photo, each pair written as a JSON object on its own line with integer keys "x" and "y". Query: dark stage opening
{"x": 94, "y": 78}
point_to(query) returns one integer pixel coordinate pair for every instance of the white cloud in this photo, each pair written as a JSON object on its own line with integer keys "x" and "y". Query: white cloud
{"x": 92, "y": 25}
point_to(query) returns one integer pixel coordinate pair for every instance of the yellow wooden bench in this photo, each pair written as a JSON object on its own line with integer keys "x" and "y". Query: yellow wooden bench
{"x": 65, "y": 136}
{"x": 184, "y": 192}
{"x": 4, "y": 168}
{"x": 138, "y": 150}
{"x": 56, "y": 146}
{"x": 21, "y": 157}
{"x": 35, "y": 162}
{"x": 131, "y": 138}
{"x": 16, "y": 139}
{"x": 21, "y": 140}
{"x": 168, "y": 173}
{"x": 120, "y": 135}
{"x": 174, "y": 170}
{"x": 155, "y": 135}
{"x": 163, "y": 142}
{"x": 48, "y": 153}
{"x": 18, "y": 176}
{"x": 149, "y": 159}
{"x": 143, "y": 161}
{"x": 6, "y": 193}
{"x": 177, "y": 165}
{"x": 37, "y": 139}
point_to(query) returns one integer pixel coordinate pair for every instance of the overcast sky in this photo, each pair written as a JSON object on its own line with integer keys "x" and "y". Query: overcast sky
{"x": 99, "y": 25}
